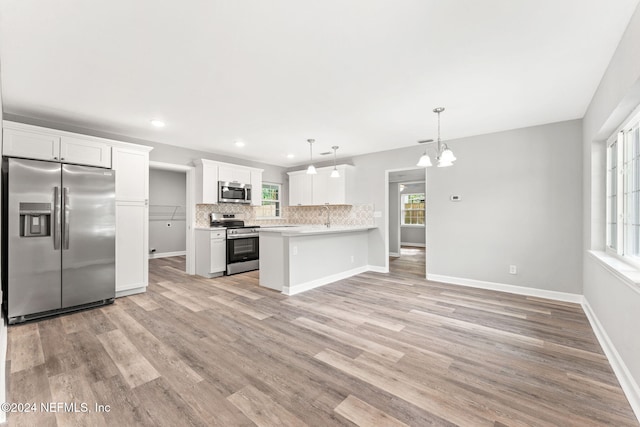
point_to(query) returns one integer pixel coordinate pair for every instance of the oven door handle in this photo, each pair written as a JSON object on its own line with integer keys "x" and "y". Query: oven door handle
{"x": 242, "y": 236}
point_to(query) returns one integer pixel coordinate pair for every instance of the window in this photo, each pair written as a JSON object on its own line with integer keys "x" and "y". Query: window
{"x": 270, "y": 201}
{"x": 412, "y": 209}
{"x": 623, "y": 192}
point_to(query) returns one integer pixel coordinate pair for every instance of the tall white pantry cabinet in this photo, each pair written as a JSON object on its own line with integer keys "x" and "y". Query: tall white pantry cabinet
{"x": 131, "y": 163}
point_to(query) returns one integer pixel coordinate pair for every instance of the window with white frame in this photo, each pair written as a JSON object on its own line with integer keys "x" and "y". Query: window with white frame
{"x": 412, "y": 209}
{"x": 270, "y": 201}
{"x": 623, "y": 192}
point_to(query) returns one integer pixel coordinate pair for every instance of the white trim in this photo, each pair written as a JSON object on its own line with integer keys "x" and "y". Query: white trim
{"x": 512, "y": 289}
{"x": 626, "y": 273}
{"x": 377, "y": 269}
{"x": 417, "y": 245}
{"x": 135, "y": 289}
{"x": 166, "y": 254}
{"x": 628, "y": 384}
{"x": 3, "y": 373}
{"x": 190, "y": 213}
{"x": 292, "y": 290}
{"x": 394, "y": 254}
{"x": 306, "y": 286}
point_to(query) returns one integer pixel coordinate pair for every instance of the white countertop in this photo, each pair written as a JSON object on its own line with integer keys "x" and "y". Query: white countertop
{"x": 298, "y": 230}
{"x": 210, "y": 228}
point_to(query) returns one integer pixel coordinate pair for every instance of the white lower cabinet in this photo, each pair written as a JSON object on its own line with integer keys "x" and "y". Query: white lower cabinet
{"x": 211, "y": 252}
{"x": 132, "y": 259}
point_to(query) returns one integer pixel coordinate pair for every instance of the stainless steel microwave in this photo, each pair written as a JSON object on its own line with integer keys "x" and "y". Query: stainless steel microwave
{"x": 234, "y": 192}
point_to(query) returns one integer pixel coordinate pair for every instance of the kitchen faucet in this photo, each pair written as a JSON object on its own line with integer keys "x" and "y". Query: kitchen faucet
{"x": 328, "y": 223}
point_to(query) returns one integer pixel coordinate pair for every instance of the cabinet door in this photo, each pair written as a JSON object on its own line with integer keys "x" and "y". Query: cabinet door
{"x": 85, "y": 152}
{"x": 218, "y": 252}
{"x": 256, "y": 188}
{"x": 132, "y": 174}
{"x": 132, "y": 264}
{"x": 336, "y": 189}
{"x": 32, "y": 145}
{"x": 209, "y": 184}
{"x": 300, "y": 189}
{"x": 234, "y": 174}
{"x": 321, "y": 187}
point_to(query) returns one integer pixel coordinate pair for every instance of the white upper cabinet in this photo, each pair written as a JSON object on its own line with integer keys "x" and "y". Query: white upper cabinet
{"x": 35, "y": 142}
{"x": 234, "y": 173}
{"x": 209, "y": 172}
{"x": 132, "y": 174}
{"x": 321, "y": 189}
{"x": 300, "y": 188}
{"x": 86, "y": 152}
{"x": 256, "y": 187}
{"x": 206, "y": 182}
{"x": 32, "y": 145}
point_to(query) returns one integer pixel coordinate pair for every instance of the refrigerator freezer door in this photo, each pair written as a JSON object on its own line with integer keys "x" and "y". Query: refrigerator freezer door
{"x": 88, "y": 242}
{"x": 33, "y": 267}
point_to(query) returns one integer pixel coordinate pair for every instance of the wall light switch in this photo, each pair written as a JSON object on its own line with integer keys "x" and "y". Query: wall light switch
{"x": 455, "y": 198}
{"x": 377, "y": 214}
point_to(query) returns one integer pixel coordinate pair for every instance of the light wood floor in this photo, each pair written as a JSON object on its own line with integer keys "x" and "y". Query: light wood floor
{"x": 372, "y": 350}
{"x": 410, "y": 263}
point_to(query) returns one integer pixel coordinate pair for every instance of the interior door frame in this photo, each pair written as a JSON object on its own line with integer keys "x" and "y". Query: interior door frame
{"x": 189, "y": 208}
{"x": 386, "y": 211}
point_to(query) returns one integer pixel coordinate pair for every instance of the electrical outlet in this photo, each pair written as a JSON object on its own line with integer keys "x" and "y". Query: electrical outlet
{"x": 295, "y": 250}
{"x": 513, "y": 269}
{"x": 352, "y": 259}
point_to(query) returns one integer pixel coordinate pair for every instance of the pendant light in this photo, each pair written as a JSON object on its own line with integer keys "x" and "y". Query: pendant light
{"x": 444, "y": 155}
{"x": 334, "y": 172}
{"x": 311, "y": 170}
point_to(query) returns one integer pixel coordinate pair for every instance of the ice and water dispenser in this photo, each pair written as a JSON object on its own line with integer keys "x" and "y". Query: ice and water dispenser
{"x": 35, "y": 219}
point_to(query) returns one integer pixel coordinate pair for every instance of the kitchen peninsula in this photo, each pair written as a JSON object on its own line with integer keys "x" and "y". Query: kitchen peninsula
{"x": 294, "y": 259}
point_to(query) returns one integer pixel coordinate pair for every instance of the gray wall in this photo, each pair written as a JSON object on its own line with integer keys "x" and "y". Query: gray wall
{"x": 411, "y": 234}
{"x": 521, "y": 204}
{"x": 3, "y": 327}
{"x": 167, "y": 189}
{"x": 615, "y": 303}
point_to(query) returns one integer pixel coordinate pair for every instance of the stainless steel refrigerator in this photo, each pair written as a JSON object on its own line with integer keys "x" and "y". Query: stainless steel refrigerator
{"x": 58, "y": 227}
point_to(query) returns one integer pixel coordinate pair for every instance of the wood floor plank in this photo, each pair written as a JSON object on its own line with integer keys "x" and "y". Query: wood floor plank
{"x": 262, "y": 410}
{"x": 26, "y": 348}
{"x": 354, "y": 340}
{"x": 74, "y": 391}
{"x": 365, "y": 415}
{"x": 135, "y": 369}
{"x": 373, "y": 349}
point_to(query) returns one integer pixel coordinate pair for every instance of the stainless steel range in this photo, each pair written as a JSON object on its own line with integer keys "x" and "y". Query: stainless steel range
{"x": 243, "y": 243}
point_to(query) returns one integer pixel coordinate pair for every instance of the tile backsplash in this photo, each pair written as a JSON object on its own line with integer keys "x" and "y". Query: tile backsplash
{"x": 340, "y": 214}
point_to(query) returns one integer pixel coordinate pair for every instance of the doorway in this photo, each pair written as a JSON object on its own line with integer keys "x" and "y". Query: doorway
{"x": 171, "y": 215}
{"x": 407, "y": 225}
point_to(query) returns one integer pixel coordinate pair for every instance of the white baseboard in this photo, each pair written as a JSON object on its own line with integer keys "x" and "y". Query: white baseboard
{"x": 417, "y": 245}
{"x": 512, "y": 289}
{"x": 628, "y": 384}
{"x": 394, "y": 254}
{"x": 166, "y": 254}
{"x": 131, "y": 291}
{"x": 332, "y": 278}
{"x": 377, "y": 269}
{"x": 3, "y": 369}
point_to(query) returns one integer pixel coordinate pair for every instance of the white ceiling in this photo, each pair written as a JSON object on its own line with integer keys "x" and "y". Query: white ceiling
{"x": 361, "y": 74}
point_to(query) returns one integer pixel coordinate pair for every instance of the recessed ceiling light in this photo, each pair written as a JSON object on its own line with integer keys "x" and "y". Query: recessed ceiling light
{"x": 157, "y": 123}
{"x": 290, "y": 156}
{"x": 239, "y": 144}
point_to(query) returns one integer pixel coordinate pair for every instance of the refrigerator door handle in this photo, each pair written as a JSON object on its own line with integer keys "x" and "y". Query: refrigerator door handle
{"x": 65, "y": 202}
{"x": 56, "y": 218}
